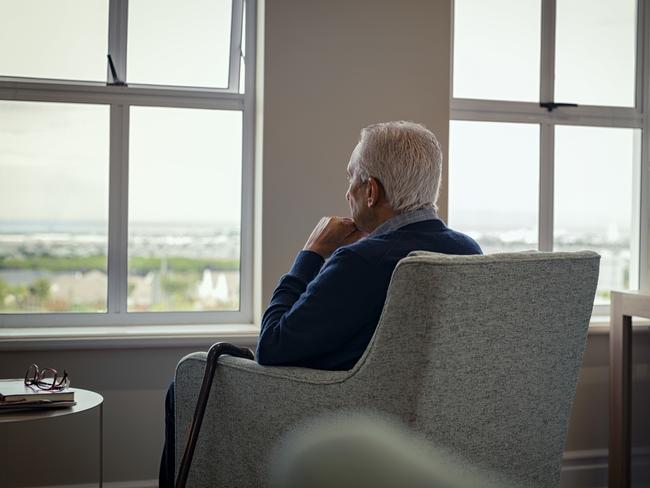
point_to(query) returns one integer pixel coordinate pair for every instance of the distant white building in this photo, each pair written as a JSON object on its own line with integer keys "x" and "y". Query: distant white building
{"x": 142, "y": 293}
{"x": 80, "y": 288}
{"x": 209, "y": 291}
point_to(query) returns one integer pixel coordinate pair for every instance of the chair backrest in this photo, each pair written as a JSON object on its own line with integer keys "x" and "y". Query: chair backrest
{"x": 487, "y": 350}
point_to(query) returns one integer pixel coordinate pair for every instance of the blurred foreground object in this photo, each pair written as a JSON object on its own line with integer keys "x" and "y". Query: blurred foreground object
{"x": 360, "y": 451}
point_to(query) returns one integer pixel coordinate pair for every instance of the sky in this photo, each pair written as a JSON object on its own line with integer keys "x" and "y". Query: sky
{"x": 494, "y": 167}
{"x": 186, "y": 164}
{"x": 497, "y": 50}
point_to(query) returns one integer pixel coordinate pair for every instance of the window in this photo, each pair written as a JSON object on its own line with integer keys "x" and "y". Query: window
{"x": 126, "y": 153}
{"x": 548, "y": 138}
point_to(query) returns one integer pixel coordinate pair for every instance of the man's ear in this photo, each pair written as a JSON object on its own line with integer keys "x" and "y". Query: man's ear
{"x": 373, "y": 192}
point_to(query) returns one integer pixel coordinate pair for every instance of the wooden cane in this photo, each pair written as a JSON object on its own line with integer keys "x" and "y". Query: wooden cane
{"x": 210, "y": 367}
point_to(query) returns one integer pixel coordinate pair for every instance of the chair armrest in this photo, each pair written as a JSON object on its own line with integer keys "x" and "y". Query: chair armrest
{"x": 250, "y": 407}
{"x": 291, "y": 373}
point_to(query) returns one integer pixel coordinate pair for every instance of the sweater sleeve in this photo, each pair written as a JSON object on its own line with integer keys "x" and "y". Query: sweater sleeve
{"x": 313, "y": 313}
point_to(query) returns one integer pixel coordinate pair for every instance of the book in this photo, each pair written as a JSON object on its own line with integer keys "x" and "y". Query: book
{"x": 15, "y": 393}
{"x": 16, "y": 407}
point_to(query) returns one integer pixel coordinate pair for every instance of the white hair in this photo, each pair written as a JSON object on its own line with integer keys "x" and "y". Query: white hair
{"x": 406, "y": 159}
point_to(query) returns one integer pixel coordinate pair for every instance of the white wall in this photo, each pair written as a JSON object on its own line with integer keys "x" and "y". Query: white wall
{"x": 331, "y": 67}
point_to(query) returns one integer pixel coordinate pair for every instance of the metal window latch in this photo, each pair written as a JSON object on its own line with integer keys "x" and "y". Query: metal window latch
{"x": 111, "y": 66}
{"x": 550, "y": 106}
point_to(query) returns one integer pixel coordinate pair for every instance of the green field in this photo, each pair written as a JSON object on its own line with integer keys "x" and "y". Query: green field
{"x": 137, "y": 264}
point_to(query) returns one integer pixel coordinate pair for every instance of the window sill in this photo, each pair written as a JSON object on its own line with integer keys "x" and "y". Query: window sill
{"x": 150, "y": 336}
{"x": 121, "y": 337}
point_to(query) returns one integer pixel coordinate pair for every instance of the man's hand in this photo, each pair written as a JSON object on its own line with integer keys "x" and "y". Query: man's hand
{"x": 332, "y": 233}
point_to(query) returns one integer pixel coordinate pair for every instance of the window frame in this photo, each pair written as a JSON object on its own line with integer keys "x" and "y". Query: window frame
{"x": 120, "y": 98}
{"x": 585, "y": 115}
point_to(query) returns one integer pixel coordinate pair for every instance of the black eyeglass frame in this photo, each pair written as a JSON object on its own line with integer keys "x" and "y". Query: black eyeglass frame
{"x": 36, "y": 377}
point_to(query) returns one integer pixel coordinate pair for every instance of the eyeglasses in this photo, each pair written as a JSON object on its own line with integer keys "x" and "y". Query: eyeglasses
{"x": 46, "y": 379}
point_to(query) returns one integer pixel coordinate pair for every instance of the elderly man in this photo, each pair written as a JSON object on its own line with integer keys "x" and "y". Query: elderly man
{"x": 323, "y": 313}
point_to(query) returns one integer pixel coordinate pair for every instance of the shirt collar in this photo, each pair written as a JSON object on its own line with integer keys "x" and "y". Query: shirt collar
{"x": 406, "y": 218}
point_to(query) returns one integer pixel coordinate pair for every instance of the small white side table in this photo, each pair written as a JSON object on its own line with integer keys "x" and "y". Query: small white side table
{"x": 86, "y": 400}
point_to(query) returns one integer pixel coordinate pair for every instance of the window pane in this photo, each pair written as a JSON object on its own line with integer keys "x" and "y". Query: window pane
{"x": 497, "y": 49}
{"x": 493, "y": 183}
{"x": 594, "y": 199}
{"x": 66, "y": 39}
{"x": 184, "y": 209}
{"x": 53, "y": 207}
{"x": 595, "y": 52}
{"x": 179, "y": 43}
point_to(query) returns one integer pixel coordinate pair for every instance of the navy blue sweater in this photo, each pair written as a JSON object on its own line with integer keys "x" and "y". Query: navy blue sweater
{"x": 323, "y": 316}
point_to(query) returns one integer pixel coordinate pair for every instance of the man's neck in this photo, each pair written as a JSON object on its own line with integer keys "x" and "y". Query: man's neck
{"x": 383, "y": 215}
{"x": 401, "y": 219}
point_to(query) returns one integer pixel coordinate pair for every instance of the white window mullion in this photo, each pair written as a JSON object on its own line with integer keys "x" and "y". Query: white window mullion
{"x": 546, "y": 181}
{"x": 636, "y": 223}
{"x": 118, "y": 212}
{"x": 37, "y": 90}
{"x": 235, "y": 45}
{"x": 547, "y": 55}
{"x": 640, "y": 64}
{"x": 248, "y": 169}
{"x": 547, "y": 129}
{"x": 639, "y": 226}
{"x": 643, "y": 102}
{"x": 118, "y": 179}
{"x": 117, "y": 36}
{"x": 525, "y": 112}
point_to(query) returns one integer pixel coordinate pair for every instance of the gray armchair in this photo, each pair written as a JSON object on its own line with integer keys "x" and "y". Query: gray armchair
{"x": 479, "y": 354}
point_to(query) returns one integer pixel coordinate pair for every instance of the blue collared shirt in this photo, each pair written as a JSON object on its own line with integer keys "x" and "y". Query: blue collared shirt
{"x": 406, "y": 218}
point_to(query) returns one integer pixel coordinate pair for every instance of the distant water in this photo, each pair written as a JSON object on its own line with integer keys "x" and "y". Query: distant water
{"x": 26, "y": 276}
